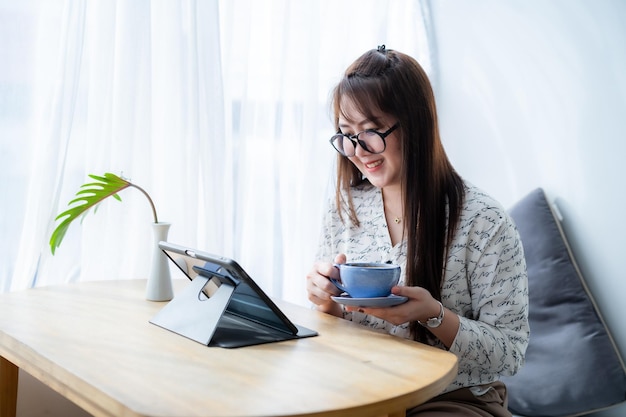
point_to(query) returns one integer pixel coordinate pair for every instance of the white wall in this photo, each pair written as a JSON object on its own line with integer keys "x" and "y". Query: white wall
{"x": 533, "y": 94}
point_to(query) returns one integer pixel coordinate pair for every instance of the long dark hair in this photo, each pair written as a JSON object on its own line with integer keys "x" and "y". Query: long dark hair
{"x": 432, "y": 191}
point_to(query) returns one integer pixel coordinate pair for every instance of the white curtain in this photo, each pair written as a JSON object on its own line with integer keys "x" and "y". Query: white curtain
{"x": 218, "y": 109}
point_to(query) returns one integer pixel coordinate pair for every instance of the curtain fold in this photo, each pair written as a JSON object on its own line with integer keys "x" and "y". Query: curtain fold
{"x": 218, "y": 109}
{"x": 57, "y": 81}
{"x": 283, "y": 58}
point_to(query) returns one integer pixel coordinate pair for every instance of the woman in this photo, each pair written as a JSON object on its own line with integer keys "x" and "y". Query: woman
{"x": 399, "y": 200}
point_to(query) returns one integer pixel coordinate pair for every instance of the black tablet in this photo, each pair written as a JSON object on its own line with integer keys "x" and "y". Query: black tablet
{"x": 250, "y": 317}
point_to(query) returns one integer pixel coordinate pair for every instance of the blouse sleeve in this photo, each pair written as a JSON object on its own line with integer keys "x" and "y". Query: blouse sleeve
{"x": 325, "y": 249}
{"x": 493, "y": 333}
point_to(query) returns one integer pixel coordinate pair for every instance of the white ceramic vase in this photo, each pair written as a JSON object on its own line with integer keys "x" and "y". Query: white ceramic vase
{"x": 159, "y": 287}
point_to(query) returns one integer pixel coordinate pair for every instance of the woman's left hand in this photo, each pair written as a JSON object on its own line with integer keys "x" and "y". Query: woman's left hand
{"x": 420, "y": 306}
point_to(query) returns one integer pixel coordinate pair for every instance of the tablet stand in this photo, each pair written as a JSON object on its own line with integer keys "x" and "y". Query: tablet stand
{"x": 222, "y": 306}
{"x": 194, "y": 315}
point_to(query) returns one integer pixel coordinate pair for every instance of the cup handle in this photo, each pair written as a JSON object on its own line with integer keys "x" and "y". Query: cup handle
{"x": 338, "y": 285}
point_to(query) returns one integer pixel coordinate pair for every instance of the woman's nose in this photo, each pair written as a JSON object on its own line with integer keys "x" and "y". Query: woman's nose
{"x": 360, "y": 151}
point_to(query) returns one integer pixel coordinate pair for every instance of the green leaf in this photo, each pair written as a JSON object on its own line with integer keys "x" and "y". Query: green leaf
{"x": 89, "y": 195}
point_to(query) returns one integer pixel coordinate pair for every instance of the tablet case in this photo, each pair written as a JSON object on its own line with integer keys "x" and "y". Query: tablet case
{"x": 222, "y": 306}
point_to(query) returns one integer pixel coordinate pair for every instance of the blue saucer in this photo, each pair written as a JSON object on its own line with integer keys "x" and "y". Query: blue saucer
{"x": 375, "y": 302}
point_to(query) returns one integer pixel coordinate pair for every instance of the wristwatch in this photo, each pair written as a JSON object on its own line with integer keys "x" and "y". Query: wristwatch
{"x": 434, "y": 321}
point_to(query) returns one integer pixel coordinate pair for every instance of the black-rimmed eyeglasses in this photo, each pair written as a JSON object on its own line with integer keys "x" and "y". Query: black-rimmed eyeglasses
{"x": 370, "y": 140}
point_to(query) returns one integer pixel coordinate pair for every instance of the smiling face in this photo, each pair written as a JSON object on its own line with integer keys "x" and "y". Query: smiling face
{"x": 383, "y": 170}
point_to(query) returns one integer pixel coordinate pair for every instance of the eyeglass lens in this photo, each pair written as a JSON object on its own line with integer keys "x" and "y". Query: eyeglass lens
{"x": 369, "y": 140}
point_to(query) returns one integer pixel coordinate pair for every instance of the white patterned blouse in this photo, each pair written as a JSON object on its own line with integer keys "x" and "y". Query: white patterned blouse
{"x": 485, "y": 280}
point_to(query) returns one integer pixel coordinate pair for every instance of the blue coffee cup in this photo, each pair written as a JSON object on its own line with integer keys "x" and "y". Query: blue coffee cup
{"x": 367, "y": 279}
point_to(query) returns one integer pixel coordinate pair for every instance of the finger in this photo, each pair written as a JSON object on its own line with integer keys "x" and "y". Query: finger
{"x": 318, "y": 292}
{"x": 320, "y": 287}
{"x": 318, "y": 299}
{"x": 329, "y": 287}
{"x": 399, "y": 290}
{"x": 326, "y": 270}
{"x": 340, "y": 258}
{"x": 414, "y": 293}
{"x": 395, "y": 315}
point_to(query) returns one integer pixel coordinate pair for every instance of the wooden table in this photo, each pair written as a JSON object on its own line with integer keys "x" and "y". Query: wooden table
{"x": 92, "y": 343}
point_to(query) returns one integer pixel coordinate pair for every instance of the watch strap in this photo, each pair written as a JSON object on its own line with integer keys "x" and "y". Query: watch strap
{"x": 434, "y": 321}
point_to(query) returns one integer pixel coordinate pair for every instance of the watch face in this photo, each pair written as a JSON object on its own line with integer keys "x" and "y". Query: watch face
{"x": 434, "y": 322}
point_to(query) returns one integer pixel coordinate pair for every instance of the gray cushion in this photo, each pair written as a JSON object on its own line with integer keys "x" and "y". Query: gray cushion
{"x": 572, "y": 365}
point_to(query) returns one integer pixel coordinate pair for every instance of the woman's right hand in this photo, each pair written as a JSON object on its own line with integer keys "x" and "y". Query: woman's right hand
{"x": 320, "y": 289}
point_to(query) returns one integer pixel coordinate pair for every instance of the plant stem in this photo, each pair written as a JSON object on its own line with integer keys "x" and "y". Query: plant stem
{"x": 154, "y": 213}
